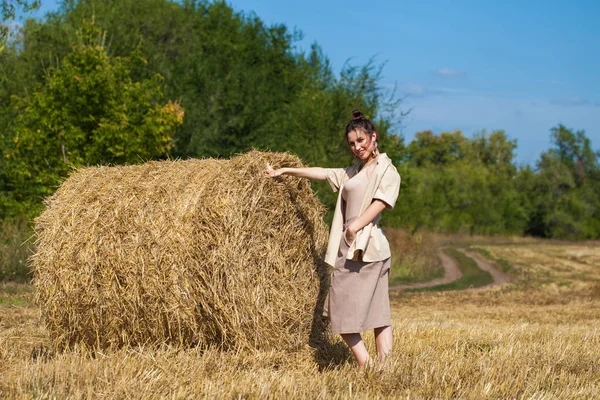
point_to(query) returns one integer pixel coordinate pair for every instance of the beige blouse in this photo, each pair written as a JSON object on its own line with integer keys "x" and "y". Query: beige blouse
{"x": 370, "y": 243}
{"x": 353, "y": 193}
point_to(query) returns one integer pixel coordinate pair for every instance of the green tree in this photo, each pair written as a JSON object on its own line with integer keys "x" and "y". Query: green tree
{"x": 241, "y": 82}
{"x": 566, "y": 190}
{"x": 575, "y": 151}
{"x": 87, "y": 111}
{"x": 495, "y": 150}
{"x": 428, "y": 149}
{"x": 452, "y": 183}
{"x": 236, "y": 76}
{"x": 8, "y": 9}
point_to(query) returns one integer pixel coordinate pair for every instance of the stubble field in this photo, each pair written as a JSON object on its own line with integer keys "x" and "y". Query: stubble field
{"x": 537, "y": 337}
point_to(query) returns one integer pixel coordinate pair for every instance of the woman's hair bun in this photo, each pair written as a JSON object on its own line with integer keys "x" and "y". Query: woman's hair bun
{"x": 359, "y": 121}
{"x": 357, "y": 115}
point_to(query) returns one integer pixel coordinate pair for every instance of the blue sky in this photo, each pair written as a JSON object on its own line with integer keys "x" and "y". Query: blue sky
{"x": 520, "y": 66}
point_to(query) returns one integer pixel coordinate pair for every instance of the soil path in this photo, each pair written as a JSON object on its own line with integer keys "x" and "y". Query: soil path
{"x": 498, "y": 276}
{"x": 452, "y": 272}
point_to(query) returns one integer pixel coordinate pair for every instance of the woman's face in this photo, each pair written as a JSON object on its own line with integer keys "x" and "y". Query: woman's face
{"x": 361, "y": 143}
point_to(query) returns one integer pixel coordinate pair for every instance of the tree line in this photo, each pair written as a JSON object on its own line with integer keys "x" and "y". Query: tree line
{"x": 124, "y": 81}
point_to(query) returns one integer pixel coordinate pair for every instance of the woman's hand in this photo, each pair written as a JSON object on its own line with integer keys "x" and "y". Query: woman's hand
{"x": 272, "y": 172}
{"x": 350, "y": 233}
{"x": 316, "y": 173}
{"x": 374, "y": 209}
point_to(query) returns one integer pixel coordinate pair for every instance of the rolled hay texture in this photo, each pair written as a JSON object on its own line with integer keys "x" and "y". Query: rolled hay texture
{"x": 192, "y": 253}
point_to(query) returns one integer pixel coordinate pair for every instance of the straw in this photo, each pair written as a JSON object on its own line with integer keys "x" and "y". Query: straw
{"x": 192, "y": 253}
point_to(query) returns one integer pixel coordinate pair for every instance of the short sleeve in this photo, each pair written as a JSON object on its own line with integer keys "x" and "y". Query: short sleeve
{"x": 388, "y": 189}
{"x": 335, "y": 177}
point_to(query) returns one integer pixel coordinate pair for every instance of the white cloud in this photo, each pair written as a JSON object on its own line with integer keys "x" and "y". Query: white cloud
{"x": 570, "y": 101}
{"x": 415, "y": 90}
{"x": 449, "y": 73}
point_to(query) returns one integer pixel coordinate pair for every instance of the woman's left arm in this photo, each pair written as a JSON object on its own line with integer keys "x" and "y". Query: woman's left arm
{"x": 374, "y": 209}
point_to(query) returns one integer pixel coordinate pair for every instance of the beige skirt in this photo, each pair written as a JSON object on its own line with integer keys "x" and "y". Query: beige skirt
{"x": 358, "y": 298}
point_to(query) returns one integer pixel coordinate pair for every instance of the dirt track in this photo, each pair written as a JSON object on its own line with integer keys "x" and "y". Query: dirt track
{"x": 498, "y": 276}
{"x": 452, "y": 272}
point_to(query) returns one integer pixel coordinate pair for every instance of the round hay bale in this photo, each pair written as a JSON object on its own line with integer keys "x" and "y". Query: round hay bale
{"x": 194, "y": 252}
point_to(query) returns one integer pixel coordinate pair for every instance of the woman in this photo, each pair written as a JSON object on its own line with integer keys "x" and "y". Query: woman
{"x": 358, "y": 298}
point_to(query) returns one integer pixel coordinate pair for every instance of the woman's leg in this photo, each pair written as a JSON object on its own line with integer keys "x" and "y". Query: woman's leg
{"x": 357, "y": 346}
{"x": 383, "y": 341}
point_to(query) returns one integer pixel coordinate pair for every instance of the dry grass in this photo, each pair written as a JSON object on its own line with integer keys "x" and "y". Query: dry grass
{"x": 552, "y": 264}
{"x": 458, "y": 239}
{"x": 15, "y": 247}
{"x": 414, "y": 256}
{"x": 526, "y": 340}
{"x": 191, "y": 253}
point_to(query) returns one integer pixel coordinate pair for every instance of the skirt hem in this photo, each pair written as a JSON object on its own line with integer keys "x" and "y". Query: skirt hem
{"x": 349, "y": 331}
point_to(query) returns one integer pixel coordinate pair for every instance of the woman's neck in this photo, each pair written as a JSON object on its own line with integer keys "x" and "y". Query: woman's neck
{"x": 369, "y": 161}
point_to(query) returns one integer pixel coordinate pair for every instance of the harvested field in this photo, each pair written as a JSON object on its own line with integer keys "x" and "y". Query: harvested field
{"x": 552, "y": 264}
{"x": 525, "y": 339}
{"x": 188, "y": 253}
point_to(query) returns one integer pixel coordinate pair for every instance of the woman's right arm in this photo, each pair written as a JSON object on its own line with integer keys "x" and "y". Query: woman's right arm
{"x": 314, "y": 173}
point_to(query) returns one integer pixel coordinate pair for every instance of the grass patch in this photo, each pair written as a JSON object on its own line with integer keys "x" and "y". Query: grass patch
{"x": 16, "y": 294}
{"x": 414, "y": 257}
{"x": 472, "y": 277}
{"x": 14, "y": 302}
{"x": 406, "y": 272}
{"x": 15, "y": 248}
{"x": 504, "y": 264}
